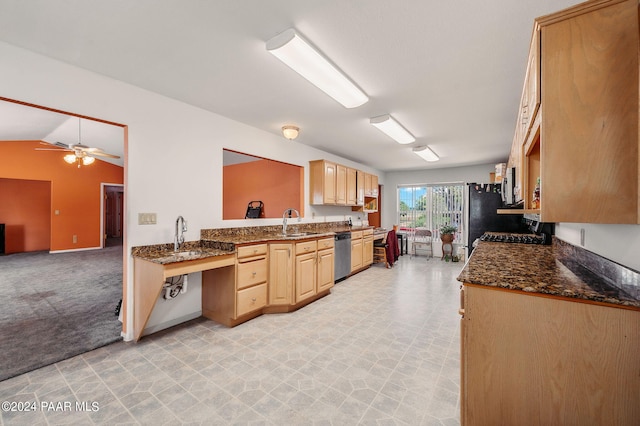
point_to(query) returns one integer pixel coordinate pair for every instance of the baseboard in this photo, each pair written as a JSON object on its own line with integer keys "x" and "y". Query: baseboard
{"x": 72, "y": 250}
{"x": 173, "y": 322}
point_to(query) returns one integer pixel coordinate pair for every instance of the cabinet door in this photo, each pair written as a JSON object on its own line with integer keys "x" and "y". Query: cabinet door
{"x": 341, "y": 184}
{"x": 374, "y": 185}
{"x": 589, "y": 135}
{"x": 305, "y": 276}
{"x": 356, "y": 254}
{"x": 325, "y": 269}
{"x": 352, "y": 190}
{"x": 330, "y": 177}
{"x": 280, "y": 274}
{"x": 367, "y": 251}
{"x": 360, "y": 181}
{"x": 368, "y": 185}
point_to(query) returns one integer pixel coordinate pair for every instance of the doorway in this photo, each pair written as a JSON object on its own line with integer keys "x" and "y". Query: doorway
{"x": 112, "y": 214}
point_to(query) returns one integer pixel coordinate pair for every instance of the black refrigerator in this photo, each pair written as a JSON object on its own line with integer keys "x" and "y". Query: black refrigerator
{"x": 483, "y": 202}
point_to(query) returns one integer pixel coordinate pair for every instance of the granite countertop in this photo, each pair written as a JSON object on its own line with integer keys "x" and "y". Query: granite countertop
{"x": 543, "y": 269}
{"x": 223, "y": 241}
{"x": 192, "y": 250}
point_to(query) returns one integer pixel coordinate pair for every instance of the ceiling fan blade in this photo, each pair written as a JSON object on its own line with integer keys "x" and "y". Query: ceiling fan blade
{"x": 102, "y": 154}
{"x": 54, "y": 149}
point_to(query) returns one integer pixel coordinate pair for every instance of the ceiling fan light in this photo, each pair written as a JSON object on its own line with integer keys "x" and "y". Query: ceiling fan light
{"x": 87, "y": 160}
{"x": 426, "y": 153}
{"x": 299, "y": 55}
{"x": 70, "y": 158}
{"x": 393, "y": 129}
{"x": 290, "y": 132}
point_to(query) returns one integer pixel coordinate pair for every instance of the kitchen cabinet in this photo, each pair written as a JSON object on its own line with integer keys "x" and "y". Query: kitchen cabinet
{"x": 589, "y": 131}
{"x": 352, "y": 187}
{"x": 299, "y": 272}
{"x": 323, "y": 180}
{"x": 583, "y": 143}
{"x": 361, "y": 249}
{"x": 335, "y": 184}
{"x": 326, "y": 262}
{"x": 233, "y": 295}
{"x": 367, "y": 247}
{"x": 305, "y": 270}
{"x": 341, "y": 184}
{"x": 356, "y": 250}
{"x": 280, "y": 274}
{"x": 544, "y": 360}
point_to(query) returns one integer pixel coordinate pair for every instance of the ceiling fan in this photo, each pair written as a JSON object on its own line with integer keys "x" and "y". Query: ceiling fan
{"x": 83, "y": 155}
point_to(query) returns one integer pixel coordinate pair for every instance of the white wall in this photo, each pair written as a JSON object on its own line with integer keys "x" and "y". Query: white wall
{"x": 174, "y": 157}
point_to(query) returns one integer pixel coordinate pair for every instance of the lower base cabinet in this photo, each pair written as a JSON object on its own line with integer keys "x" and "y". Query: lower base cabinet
{"x": 530, "y": 360}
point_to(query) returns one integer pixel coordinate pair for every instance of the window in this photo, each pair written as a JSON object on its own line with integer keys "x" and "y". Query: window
{"x": 432, "y": 206}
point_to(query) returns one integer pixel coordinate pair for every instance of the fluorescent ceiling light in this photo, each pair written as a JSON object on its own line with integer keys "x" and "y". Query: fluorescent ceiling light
{"x": 392, "y": 128}
{"x": 426, "y": 153}
{"x": 300, "y": 56}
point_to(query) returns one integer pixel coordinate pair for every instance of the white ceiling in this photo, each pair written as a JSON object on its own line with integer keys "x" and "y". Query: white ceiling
{"x": 450, "y": 71}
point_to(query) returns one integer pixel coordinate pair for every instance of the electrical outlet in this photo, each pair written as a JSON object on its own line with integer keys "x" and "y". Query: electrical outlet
{"x": 75, "y": 239}
{"x": 582, "y": 237}
{"x": 147, "y": 218}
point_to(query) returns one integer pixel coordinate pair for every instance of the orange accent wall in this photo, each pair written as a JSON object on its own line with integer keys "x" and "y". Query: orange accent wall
{"x": 75, "y": 192}
{"x": 277, "y": 185}
{"x": 24, "y": 209}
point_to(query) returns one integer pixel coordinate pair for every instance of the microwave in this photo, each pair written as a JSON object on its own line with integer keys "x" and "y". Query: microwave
{"x": 508, "y": 187}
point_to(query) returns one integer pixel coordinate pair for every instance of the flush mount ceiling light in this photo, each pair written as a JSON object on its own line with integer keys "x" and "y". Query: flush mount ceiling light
{"x": 290, "y": 132}
{"x": 392, "y": 128}
{"x": 426, "y": 153}
{"x": 300, "y": 56}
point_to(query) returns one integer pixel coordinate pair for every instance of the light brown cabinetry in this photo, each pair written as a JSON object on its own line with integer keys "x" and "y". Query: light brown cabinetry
{"x": 299, "y": 273}
{"x": 530, "y": 360}
{"x": 326, "y": 262}
{"x": 356, "y": 250}
{"x": 352, "y": 186}
{"x": 323, "y": 178}
{"x": 361, "y": 249}
{"x": 583, "y": 143}
{"x": 589, "y": 130}
{"x": 280, "y": 274}
{"x": 367, "y": 247}
{"x": 231, "y": 296}
{"x": 335, "y": 184}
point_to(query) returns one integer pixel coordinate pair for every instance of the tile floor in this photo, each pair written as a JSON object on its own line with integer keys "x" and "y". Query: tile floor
{"x": 382, "y": 349}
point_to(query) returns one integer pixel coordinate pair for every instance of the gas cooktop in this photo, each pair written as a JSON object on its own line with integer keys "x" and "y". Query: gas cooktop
{"x": 500, "y": 237}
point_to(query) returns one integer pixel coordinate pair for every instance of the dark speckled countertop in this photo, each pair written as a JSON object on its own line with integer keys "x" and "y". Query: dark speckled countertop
{"x": 223, "y": 241}
{"x": 554, "y": 270}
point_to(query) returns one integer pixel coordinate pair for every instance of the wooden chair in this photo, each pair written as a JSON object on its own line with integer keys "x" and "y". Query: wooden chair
{"x": 422, "y": 239}
{"x": 380, "y": 251}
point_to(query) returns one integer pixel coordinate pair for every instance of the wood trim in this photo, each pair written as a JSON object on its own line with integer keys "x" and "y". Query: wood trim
{"x": 576, "y": 10}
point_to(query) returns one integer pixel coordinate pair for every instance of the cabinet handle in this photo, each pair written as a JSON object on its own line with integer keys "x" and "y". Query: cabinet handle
{"x": 253, "y": 299}
{"x": 253, "y": 274}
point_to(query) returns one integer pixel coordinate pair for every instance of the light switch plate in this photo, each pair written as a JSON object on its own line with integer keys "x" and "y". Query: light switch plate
{"x": 146, "y": 218}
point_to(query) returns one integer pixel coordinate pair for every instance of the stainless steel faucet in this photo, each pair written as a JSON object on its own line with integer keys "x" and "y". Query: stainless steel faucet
{"x": 284, "y": 219}
{"x": 180, "y": 230}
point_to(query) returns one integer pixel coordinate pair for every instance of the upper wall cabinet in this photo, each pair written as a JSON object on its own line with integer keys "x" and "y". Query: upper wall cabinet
{"x": 583, "y": 143}
{"x": 335, "y": 184}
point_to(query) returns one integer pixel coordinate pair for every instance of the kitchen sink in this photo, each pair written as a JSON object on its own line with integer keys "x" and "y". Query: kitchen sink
{"x": 300, "y": 234}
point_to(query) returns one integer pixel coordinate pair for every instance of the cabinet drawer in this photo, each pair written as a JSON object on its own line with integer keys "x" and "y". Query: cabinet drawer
{"x": 253, "y": 250}
{"x": 250, "y": 299}
{"x": 251, "y": 273}
{"x": 325, "y": 243}
{"x": 367, "y": 232}
{"x": 356, "y": 235}
{"x": 306, "y": 247}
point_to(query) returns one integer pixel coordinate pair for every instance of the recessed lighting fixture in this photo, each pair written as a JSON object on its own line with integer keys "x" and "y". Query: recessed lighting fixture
{"x": 392, "y": 128}
{"x": 299, "y": 55}
{"x": 426, "y": 153}
{"x": 290, "y": 132}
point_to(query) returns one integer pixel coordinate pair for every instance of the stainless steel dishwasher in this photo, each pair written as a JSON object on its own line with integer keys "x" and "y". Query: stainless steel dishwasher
{"x": 342, "y": 255}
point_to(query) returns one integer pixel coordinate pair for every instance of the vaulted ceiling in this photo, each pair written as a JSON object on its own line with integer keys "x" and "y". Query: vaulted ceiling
{"x": 450, "y": 71}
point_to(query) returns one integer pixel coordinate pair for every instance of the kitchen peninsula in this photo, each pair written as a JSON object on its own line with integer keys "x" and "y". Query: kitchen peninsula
{"x": 246, "y": 271}
{"x": 545, "y": 340}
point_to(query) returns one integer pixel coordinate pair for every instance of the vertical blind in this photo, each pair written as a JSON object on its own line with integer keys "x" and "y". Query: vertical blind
{"x": 432, "y": 206}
